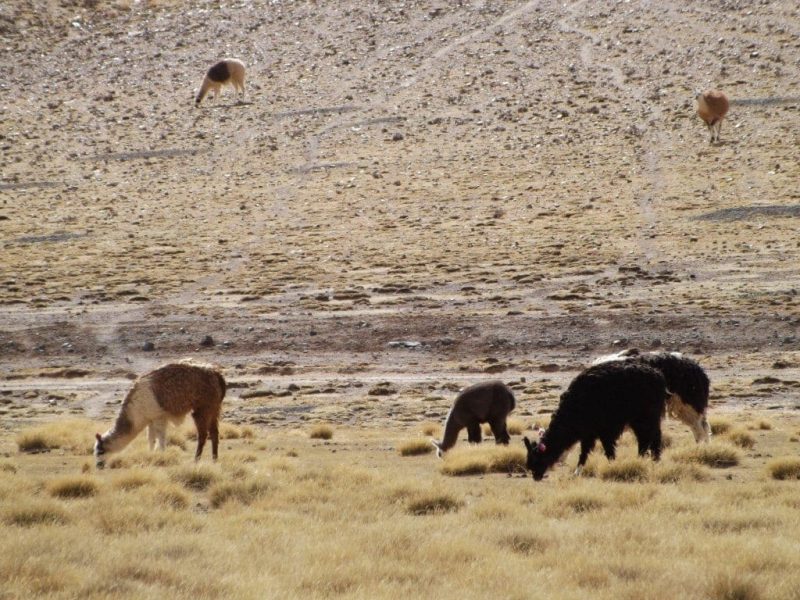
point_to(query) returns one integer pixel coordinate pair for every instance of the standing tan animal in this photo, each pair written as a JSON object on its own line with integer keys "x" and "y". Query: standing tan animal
{"x": 167, "y": 395}
{"x": 487, "y": 402}
{"x": 712, "y": 106}
{"x": 227, "y": 71}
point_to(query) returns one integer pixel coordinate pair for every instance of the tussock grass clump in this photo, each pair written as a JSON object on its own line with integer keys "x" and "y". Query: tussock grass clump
{"x": 431, "y": 429}
{"x": 73, "y": 487}
{"x": 25, "y": 514}
{"x": 626, "y": 470}
{"x": 6, "y": 467}
{"x": 133, "y": 479}
{"x": 785, "y": 468}
{"x": 175, "y": 437}
{"x": 476, "y": 461}
{"x": 575, "y": 503}
{"x": 761, "y": 424}
{"x": 526, "y": 543}
{"x": 243, "y": 492}
{"x": 171, "y": 496}
{"x": 430, "y": 503}
{"x": 734, "y": 587}
{"x": 676, "y": 473}
{"x": 713, "y": 455}
{"x": 145, "y": 458}
{"x": 72, "y": 435}
{"x": 195, "y": 477}
{"x": 321, "y": 432}
{"x": 741, "y": 438}
{"x": 516, "y": 426}
{"x": 719, "y": 426}
{"x": 415, "y": 447}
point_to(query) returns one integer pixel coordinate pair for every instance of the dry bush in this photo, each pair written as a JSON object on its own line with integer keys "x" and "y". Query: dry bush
{"x": 478, "y": 460}
{"x": 676, "y": 473}
{"x": 72, "y": 435}
{"x": 415, "y": 447}
{"x": 526, "y": 543}
{"x": 73, "y": 487}
{"x": 741, "y": 438}
{"x": 27, "y": 514}
{"x": 195, "y": 477}
{"x": 145, "y": 458}
{"x": 243, "y": 492}
{"x": 133, "y": 479}
{"x": 761, "y": 424}
{"x": 516, "y": 426}
{"x": 712, "y": 455}
{"x": 431, "y": 429}
{"x": 321, "y": 432}
{"x": 626, "y": 470}
{"x": 719, "y": 425}
{"x": 734, "y": 587}
{"x": 575, "y": 503}
{"x": 171, "y": 496}
{"x": 428, "y": 503}
{"x": 175, "y": 437}
{"x": 784, "y": 468}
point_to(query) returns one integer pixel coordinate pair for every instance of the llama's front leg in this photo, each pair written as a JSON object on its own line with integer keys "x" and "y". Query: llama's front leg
{"x": 610, "y": 448}
{"x": 157, "y": 434}
{"x": 151, "y": 436}
{"x": 214, "y": 434}
{"x": 586, "y": 447}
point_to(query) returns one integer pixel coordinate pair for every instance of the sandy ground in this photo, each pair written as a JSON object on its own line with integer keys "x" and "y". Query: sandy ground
{"x": 414, "y": 196}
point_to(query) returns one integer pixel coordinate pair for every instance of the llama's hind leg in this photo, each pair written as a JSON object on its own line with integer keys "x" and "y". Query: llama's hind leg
{"x": 500, "y": 432}
{"x": 201, "y": 422}
{"x": 213, "y": 431}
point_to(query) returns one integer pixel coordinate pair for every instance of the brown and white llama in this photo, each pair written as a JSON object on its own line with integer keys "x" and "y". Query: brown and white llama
{"x": 227, "y": 71}
{"x": 712, "y": 106}
{"x": 687, "y": 384}
{"x": 486, "y": 402}
{"x": 163, "y": 396}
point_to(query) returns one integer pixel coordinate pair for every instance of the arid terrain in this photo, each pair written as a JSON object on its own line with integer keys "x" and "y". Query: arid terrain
{"x": 413, "y": 196}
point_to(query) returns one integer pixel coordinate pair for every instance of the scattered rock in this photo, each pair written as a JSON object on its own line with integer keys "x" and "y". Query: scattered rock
{"x": 207, "y": 341}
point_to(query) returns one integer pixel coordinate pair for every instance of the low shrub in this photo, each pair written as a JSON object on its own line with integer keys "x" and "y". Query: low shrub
{"x": 321, "y": 432}
{"x": 415, "y": 447}
{"x": 786, "y": 468}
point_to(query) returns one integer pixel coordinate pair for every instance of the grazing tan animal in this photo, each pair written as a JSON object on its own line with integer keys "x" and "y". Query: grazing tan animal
{"x": 227, "y": 71}
{"x": 167, "y": 395}
{"x": 712, "y": 106}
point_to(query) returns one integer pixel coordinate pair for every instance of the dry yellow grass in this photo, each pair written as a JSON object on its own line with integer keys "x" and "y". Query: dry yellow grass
{"x": 431, "y": 429}
{"x": 715, "y": 454}
{"x": 473, "y": 460}
{"x": 417, "y": 529}
{"x": 321, "y": 432}
{"x": 415, "y": 447}
{"x": 784, "y": 468}
{"x": 741, "y": 437}
{"x": 73, "y": 435}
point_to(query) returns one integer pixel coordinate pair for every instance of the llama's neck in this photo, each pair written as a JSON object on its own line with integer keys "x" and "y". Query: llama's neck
{"x": 558, "y": 440}
{"x": 125, "y": 428}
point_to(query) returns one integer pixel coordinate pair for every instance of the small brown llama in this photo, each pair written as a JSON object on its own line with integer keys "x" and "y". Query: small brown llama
{"x": 712, "y": 106}
{"x": 164, "y": 396}
{"x": 227, "y": 71}
{"x": 486, "y": 402}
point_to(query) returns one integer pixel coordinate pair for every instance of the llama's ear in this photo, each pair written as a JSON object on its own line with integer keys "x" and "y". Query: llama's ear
{"x": 99, "y": 437}
{"x": 527, "y": 443}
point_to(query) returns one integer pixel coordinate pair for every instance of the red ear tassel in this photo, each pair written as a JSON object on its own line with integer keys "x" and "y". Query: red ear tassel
{"x": 542, "y": 447}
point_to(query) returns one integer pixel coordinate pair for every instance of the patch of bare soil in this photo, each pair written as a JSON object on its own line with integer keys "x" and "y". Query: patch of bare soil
{"x": 417, "y": 194}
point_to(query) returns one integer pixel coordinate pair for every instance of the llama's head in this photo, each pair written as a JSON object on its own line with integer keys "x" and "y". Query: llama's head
{"x": 537, "y": 463}
{"x": 438, "y": 446}
{"x": 99, "y": 451}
